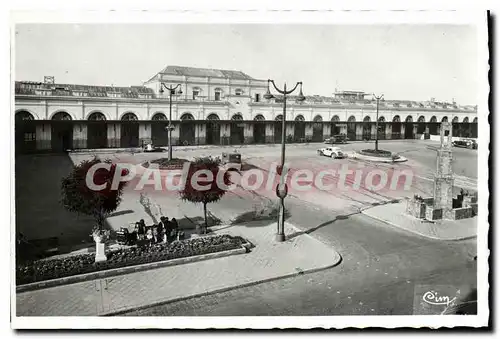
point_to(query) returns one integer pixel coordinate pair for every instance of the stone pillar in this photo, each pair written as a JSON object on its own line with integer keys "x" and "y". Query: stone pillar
{"x": 443, "y": 179}
{"x": 309, "y": 131}
{"x": 373, "y": 131}
{"x": 388, "y": 131}
{"x": 80, "y": 135}
{"x": 225, "y": 133}
{"x": 359, "y": 131}
{"x": 269, "y": 133}
{"x": 114, "y": 135}
{"x": 175, "y": 133}
{"x": 43, "y": 136}
{"x": 248, "y": 133}
{"x": 326, "y": 130}
{"x": 201, "y": 134}
{"x": 415, "y": 130}
{"x": 403, "y": 128}
{"x": 144, "y": 133}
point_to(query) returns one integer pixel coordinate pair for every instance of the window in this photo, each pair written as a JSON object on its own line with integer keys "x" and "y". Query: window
{"x": 257, "y": 97}
{"x": 238, "y": 92}
{"x": 29, "y": 136}
{"x": 217, "y": 95}
{"x": 195, "y": 94}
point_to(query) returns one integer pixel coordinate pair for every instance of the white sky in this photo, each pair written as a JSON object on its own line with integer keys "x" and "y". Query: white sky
{"x": 413, "y": 62}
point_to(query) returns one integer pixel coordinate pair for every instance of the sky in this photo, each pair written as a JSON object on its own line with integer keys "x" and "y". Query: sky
{"x": 403, "y": 62}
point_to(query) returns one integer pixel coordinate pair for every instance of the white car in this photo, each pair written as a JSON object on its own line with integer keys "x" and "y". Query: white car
{"x": 332, "y": 152}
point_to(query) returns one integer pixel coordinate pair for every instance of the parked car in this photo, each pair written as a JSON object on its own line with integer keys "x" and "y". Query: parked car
{"x": 332, "y": 152}
{"x": 465, "y": 143}
{"x": 337, "y": 139}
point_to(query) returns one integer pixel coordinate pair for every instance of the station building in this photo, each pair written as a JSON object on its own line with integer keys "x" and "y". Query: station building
{"x": 212, "y": 106}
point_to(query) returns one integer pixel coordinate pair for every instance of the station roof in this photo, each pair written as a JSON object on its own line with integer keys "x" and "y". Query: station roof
{"x": 206, "y": 72}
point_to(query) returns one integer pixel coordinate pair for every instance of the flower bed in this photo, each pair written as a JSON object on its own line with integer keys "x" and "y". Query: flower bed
{"x": 42, "y": 270}
{"x": 164, "y": 163}
{"x": 374, "y": 153}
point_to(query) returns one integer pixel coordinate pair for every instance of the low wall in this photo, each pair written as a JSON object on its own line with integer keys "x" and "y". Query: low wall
{"x": 461, "y": 213}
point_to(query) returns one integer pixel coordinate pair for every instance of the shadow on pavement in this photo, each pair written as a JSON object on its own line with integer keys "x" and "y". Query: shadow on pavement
{"x": 39, "y": 214}
{"x": 326, "y": 223}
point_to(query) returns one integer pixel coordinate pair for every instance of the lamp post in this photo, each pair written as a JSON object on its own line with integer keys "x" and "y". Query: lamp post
{"x": 281, "y": 189}
{"x": 169, "y": 127}
{"x": 378, "y": 98}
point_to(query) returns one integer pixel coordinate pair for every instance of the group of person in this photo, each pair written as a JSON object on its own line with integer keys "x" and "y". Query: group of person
{"x": 164, "y": 231}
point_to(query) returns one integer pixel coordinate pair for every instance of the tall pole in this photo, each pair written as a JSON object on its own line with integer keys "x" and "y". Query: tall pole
{"x": 280, "y": 235}
{"x": 171, "y": 90}
{"x": 169, "y": 128}
{"x": 376, "y": 123}
{"x": 281, "y": 189}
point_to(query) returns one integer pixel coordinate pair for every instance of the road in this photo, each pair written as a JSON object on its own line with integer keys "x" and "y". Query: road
{"x": 382, "y": 266}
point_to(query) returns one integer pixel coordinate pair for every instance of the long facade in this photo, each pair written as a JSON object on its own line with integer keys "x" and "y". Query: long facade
{"x": 215, "y": 107}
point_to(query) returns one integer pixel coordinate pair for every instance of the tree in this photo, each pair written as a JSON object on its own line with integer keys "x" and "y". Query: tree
{"x": 78, "y": 197}
{"x": 212, "y": 190}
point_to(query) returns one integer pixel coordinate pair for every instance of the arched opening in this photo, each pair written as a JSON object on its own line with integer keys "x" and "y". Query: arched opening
{"x": 25, "y": 132}
{"x": 433, "y": 126}
{"x": 396, "y": 127}
{"x": 465, "y": 128}
{"x": 351, "y": 128}
{"x": 455, "y": 127}
{"x": 474, "y": 128}
{"x": 421, "y": 125}
{"x": 445, "y": 119}
{"x": 62, "y": 132}
{"x": 159, "y": 132}
{"x": 237, "y": 130}
{"x": 299, "y": 128}
{"x": 187, "y": 132}
{"x": 129, "y": 132}
{"x": 97, "y": 131}
{"x": 409, "y": 128}
{"x": 317, "y": 129}
{"x": 213, "y": 129}
{"x": 259, "y": 129}
{"x": 367, "y": 128}
{"x": 278, "y": 125}
{"x": 334, "y": 128}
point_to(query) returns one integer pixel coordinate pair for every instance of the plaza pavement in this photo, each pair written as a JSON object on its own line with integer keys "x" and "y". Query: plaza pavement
{"x": 267, "y": 261}
{"x": 394, "y": 214}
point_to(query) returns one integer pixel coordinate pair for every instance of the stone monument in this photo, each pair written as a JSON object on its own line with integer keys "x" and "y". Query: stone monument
{"x": 442, "y": 204}
{"x": 443, "y": 178}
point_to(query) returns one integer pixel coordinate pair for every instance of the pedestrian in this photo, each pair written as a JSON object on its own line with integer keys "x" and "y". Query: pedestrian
{"x": 141, "y": 229}
{"x": 174, "y": 228}
{"x": 149, "y": 236}
{"x": 159, "y": 232}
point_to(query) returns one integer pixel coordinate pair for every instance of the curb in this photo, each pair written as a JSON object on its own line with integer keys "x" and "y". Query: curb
{"x": 221, "y": 290}
{"x": 418, "y": 233}
{"x": 358, "y": 156}
{"x": 129, "y": 269}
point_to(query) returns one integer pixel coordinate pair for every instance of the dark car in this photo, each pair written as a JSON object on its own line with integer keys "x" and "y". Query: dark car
{"x": 465, "y": 143}
{"x": 337, "y": 139}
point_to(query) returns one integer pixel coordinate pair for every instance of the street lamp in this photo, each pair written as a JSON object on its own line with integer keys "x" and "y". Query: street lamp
{"x": 378, "y": 98}
{"x": 169, "y": 127}
{"x": 281, "y": 189}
